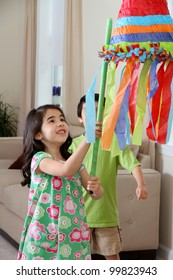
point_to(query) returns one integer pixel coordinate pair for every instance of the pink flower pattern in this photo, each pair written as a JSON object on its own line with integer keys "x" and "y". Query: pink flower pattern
{"x": 61, "y": 237}
{"x": 52, "y": 228}
{"x": 35, "y": 229}
{"x": 75, "y": 235}
{"x": 58, "y": 197}
{"x": 76, "y": 192}
{"x": 77, "y": 255}
{"x": 31, "y": 194}
{"x": 57, "y": 183}
{"x": 31, "y": 208}
{"x": 69, "y": 206}
{"x": 45, "y": 198}
{"x": 53, "y": 211}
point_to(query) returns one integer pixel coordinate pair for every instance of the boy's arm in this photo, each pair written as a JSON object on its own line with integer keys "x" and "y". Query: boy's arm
{"x": 142, "y": 189}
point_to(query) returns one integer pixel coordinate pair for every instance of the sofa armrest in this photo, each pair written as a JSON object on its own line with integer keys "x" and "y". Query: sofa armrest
{"x": 10, "y": 147}
{"x": 139, "y": 219}
{"x": 8, "y": 177}
{"x": 145, "y": 160}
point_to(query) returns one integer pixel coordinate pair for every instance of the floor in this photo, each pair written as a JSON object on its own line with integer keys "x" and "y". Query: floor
{"x": 7, "y": 251}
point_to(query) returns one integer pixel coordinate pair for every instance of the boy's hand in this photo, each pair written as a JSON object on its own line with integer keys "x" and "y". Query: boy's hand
{"x": 142, "y": 192}
{"x": 98, "y": 129}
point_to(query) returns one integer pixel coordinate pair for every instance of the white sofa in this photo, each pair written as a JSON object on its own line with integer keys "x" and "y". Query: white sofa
{"x": 139, "y": 219}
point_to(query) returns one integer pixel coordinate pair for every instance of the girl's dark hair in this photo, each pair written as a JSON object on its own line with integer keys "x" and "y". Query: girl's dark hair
{"x": 31, "y": 146}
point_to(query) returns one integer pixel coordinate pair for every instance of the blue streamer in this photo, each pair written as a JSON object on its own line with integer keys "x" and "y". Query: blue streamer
{"x": 122, "y": 122}
{"x": 91, "y": 110}
{"x": 153, "y": 79}
{"x": 121, "y": 125}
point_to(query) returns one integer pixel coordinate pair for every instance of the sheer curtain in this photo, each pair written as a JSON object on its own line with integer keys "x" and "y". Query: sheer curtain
{"x": 28, "y": 86}
{"x": 73, "y": 85}
{"x": 73, "y": 61}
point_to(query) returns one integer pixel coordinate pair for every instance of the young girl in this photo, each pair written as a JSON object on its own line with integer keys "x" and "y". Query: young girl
{"x": 55, "y": 226}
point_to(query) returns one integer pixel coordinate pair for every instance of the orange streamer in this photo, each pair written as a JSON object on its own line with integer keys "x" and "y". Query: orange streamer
{"x": 112, "y": 119}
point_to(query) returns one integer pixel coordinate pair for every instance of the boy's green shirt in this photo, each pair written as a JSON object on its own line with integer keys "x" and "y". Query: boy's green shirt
{"x": 104, "y": 212}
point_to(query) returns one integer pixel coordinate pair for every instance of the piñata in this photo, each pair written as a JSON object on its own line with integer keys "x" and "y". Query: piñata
{"x": 143, "y": 40}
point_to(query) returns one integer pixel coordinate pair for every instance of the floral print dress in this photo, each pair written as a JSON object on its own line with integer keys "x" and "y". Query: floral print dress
{"x": 55, "y": 227}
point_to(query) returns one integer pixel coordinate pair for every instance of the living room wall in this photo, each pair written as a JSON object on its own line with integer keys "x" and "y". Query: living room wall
{"x": 95, "y": 16}
{"x": 11, "y": 50}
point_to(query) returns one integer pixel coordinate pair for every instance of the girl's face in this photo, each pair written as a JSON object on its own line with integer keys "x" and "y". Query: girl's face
{"x": 54, "y": 128}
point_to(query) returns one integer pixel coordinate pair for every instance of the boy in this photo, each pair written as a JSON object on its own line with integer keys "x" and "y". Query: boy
{"x": 102, "y": 215}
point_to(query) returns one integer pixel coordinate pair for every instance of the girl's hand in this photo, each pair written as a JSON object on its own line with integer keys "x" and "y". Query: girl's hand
{"x": 93, "y": 185}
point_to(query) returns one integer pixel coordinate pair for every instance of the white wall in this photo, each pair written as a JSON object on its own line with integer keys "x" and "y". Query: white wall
{"x": 164, "y": 163}
{"x": 11, "y": 48}
{"x": 95, "y": 15}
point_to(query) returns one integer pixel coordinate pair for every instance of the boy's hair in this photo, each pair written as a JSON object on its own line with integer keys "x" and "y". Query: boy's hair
{"x": 31, "y": 145}
{"x": 83, "y": 100}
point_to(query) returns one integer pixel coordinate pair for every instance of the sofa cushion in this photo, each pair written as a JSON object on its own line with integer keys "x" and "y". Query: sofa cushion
{"x": 16, "y": 199}
{"x": 18, "y": 163}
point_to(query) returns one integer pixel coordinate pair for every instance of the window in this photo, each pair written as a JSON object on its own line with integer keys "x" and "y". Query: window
{"x": 49, "y": 62}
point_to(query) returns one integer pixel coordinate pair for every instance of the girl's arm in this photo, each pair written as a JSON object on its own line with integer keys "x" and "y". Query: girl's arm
{"x": 91, "y": 184}
{"x": 68, "y": 167}
{"x": 72, "y": 164}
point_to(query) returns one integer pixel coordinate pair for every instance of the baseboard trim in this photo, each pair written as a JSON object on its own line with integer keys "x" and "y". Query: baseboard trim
{"x": 9, "y": 239}
{"x": 165, "y": 253}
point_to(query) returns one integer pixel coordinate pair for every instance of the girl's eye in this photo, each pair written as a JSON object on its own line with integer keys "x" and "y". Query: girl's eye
{"x": 62, "y": 120}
